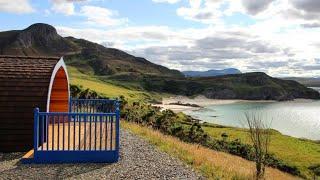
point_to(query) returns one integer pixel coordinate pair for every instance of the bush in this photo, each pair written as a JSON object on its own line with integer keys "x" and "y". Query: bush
{"x": 315, "y": 170}
{"x": 81, "y": 93}
{"x": 279, "y": 164}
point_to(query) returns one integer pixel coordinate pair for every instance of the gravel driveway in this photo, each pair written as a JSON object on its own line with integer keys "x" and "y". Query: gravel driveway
{"x": 139, "y": 160}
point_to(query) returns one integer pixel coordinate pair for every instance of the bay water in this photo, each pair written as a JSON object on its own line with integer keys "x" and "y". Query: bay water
{"x": 299, "y": 118}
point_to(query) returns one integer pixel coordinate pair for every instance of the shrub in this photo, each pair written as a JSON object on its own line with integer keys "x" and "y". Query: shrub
{"x": 279, "y": 164}
{"x": 81, "y": 93}
{"x": 315, "y": 170}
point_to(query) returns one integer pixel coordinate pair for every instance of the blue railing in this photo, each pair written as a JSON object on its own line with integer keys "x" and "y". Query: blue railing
{"x": 88, "y": 133}
{"x": 93, "y": 105}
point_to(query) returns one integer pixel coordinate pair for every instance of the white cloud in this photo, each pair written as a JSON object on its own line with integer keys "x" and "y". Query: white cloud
{"x": 257, "y": 6}
{"x": 17, "y": 6}
{"x": 127, "y": 38}
{"x": 209, "y": 48}
{"x": 95, "y": 15}
{"x": 205, "y": 11}
{"x": 166, "y": 1}
{"x": 274, "y": 43}
{"x": 63, "y": 6}
{"x": 101, "y": 16}
{"x": 303, "y": 12}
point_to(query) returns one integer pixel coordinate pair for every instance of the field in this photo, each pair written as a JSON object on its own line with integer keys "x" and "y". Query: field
{"x": 294, "y": 151}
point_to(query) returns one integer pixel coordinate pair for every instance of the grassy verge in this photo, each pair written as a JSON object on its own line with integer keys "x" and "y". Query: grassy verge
{"x": 294, "y": 151}
{"x": 211, "y": 164}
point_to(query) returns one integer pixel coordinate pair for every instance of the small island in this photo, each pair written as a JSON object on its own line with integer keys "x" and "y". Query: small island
{"x": 179, "y": 103}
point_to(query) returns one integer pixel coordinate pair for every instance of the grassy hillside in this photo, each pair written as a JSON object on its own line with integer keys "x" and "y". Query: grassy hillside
{"x": 109, "y": 89}
{"x": 251, "y": 86}
{"x": 211, "y": 164}
{"x": 298, "y": 152}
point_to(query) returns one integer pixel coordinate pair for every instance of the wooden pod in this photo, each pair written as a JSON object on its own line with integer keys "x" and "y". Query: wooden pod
{"x": 26, "y": 83}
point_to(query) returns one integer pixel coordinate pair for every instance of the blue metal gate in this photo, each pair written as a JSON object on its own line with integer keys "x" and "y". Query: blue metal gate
{"x": 88, "y": 133}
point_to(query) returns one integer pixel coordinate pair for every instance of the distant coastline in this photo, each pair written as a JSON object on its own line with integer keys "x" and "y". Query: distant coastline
{"x": 172, "y": 103}
{"x": 199, "y": 102}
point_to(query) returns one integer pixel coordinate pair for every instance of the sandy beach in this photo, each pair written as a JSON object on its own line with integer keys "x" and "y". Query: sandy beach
{"x": 202, "y": 101}
{"x": 199, "y": 100}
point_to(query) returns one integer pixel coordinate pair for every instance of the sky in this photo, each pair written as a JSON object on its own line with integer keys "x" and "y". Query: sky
{"x": 279, "y": 37}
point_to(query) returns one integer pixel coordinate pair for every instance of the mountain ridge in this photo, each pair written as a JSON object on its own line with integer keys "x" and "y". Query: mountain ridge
{"x": 211, "y": 72}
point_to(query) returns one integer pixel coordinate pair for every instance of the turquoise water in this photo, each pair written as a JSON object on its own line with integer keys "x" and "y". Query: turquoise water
{"x": 294, "y": 118}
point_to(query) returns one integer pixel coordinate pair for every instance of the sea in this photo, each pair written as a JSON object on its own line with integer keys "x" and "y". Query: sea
{"x": 299, "y": 118}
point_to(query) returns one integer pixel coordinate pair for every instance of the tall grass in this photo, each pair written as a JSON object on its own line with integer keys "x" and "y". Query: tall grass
{"x": 211, "y": 164}
{"x": 297, "y": 152}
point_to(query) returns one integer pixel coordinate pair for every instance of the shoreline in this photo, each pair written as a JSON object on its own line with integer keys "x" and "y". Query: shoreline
{"x": 201, "y": 101}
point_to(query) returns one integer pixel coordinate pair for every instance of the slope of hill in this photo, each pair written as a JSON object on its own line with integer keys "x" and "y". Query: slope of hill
{"x": 211, "y": 73}
{"x": 43, "y": 40}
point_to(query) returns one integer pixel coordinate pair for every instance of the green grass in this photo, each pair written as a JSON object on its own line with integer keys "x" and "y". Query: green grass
{"x": 294, "y": 151}
{"x": 109, "y": 89}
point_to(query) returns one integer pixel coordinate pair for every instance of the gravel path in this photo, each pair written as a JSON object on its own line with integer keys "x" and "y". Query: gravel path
{"x": 139, "y": 160}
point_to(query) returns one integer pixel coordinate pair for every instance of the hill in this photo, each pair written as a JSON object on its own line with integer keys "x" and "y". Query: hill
{"x": 250, "y": 86}
{"x": 211, "y": 72}
{"x": 43, "y": 40}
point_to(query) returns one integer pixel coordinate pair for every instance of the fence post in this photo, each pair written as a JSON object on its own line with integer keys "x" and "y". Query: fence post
{"x": 117, "y": 125}
{"x": 35, "y": 129}
{"x": 70, "y": 104}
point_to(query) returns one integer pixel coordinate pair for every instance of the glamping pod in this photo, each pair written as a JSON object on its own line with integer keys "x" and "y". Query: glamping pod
{"x": 37, "y": 115}
{"x": 26, "y": 83}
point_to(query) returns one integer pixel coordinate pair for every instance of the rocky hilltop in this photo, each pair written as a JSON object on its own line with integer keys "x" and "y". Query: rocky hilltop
{"x": 43, "y": 40}
{"x": 37, "y": 39}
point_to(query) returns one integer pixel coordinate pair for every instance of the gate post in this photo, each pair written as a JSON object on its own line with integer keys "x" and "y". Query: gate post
{"x": 117, "y": 125}
{"x": 35, "y": 129}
